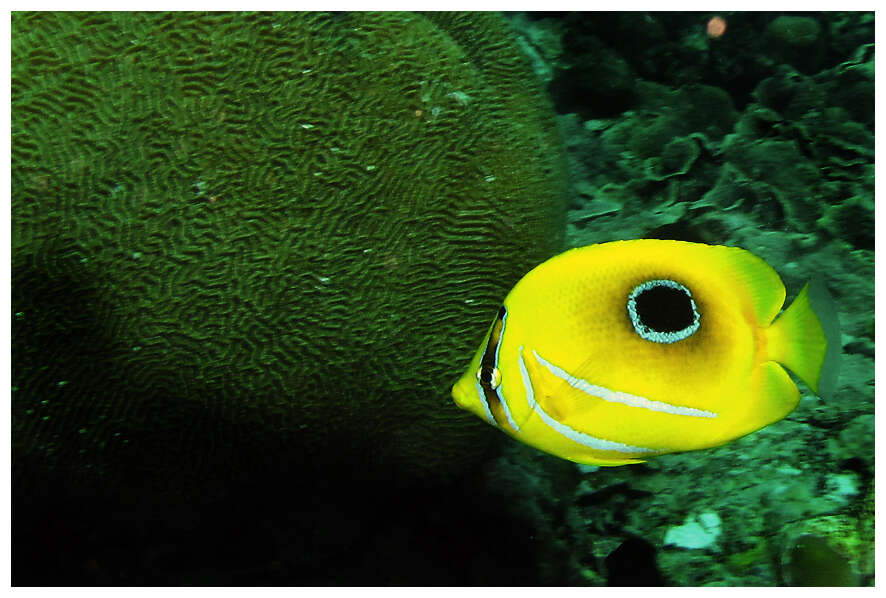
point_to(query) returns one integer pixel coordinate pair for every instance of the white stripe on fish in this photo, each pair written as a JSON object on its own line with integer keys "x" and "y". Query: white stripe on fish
{"x": 614, "y": 396}
{"x": 587, "y": 440}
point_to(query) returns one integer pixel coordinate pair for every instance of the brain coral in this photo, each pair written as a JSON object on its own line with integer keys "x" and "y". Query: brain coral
{"x": 252, "y": 241}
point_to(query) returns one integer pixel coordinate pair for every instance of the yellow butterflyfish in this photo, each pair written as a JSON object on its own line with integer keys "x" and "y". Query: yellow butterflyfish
{"x": 616, "y": 352}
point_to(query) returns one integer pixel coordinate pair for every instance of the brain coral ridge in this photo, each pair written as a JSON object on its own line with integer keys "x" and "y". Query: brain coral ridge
{"x": 250, "y": 241}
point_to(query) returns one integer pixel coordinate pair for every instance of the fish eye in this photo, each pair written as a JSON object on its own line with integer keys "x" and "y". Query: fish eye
{"x": 663, "y": 311}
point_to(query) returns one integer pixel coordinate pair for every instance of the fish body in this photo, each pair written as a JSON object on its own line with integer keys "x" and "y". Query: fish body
{"x": 616, "y": 352}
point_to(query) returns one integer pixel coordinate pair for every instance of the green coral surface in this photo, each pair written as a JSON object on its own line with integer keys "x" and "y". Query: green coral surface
{"x": 249, "y": 241}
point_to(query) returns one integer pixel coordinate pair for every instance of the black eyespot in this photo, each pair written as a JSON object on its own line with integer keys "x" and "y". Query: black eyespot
{"x": 663, "y": 311}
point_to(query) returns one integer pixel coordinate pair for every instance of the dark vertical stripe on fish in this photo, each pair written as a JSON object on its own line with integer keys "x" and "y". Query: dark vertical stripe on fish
{"x": 489, "y": 369}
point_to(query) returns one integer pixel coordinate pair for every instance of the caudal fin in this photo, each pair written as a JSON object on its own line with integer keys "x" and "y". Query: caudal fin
{"x": 806, "y": 339}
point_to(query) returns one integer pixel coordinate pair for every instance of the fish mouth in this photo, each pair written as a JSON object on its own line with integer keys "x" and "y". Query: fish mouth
{"x": 462, "y": 392}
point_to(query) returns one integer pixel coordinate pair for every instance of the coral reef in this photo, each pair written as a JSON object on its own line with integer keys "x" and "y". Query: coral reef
{"x": 251, "y": 251}
{"x": 264, "y": 240}
{"x": 779, "y": 160}
{"x": 761, "y": 137}
{"x": 832, "y": 550}
{"x": 812, "y": 561}
{"x": 795, "y": 40}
